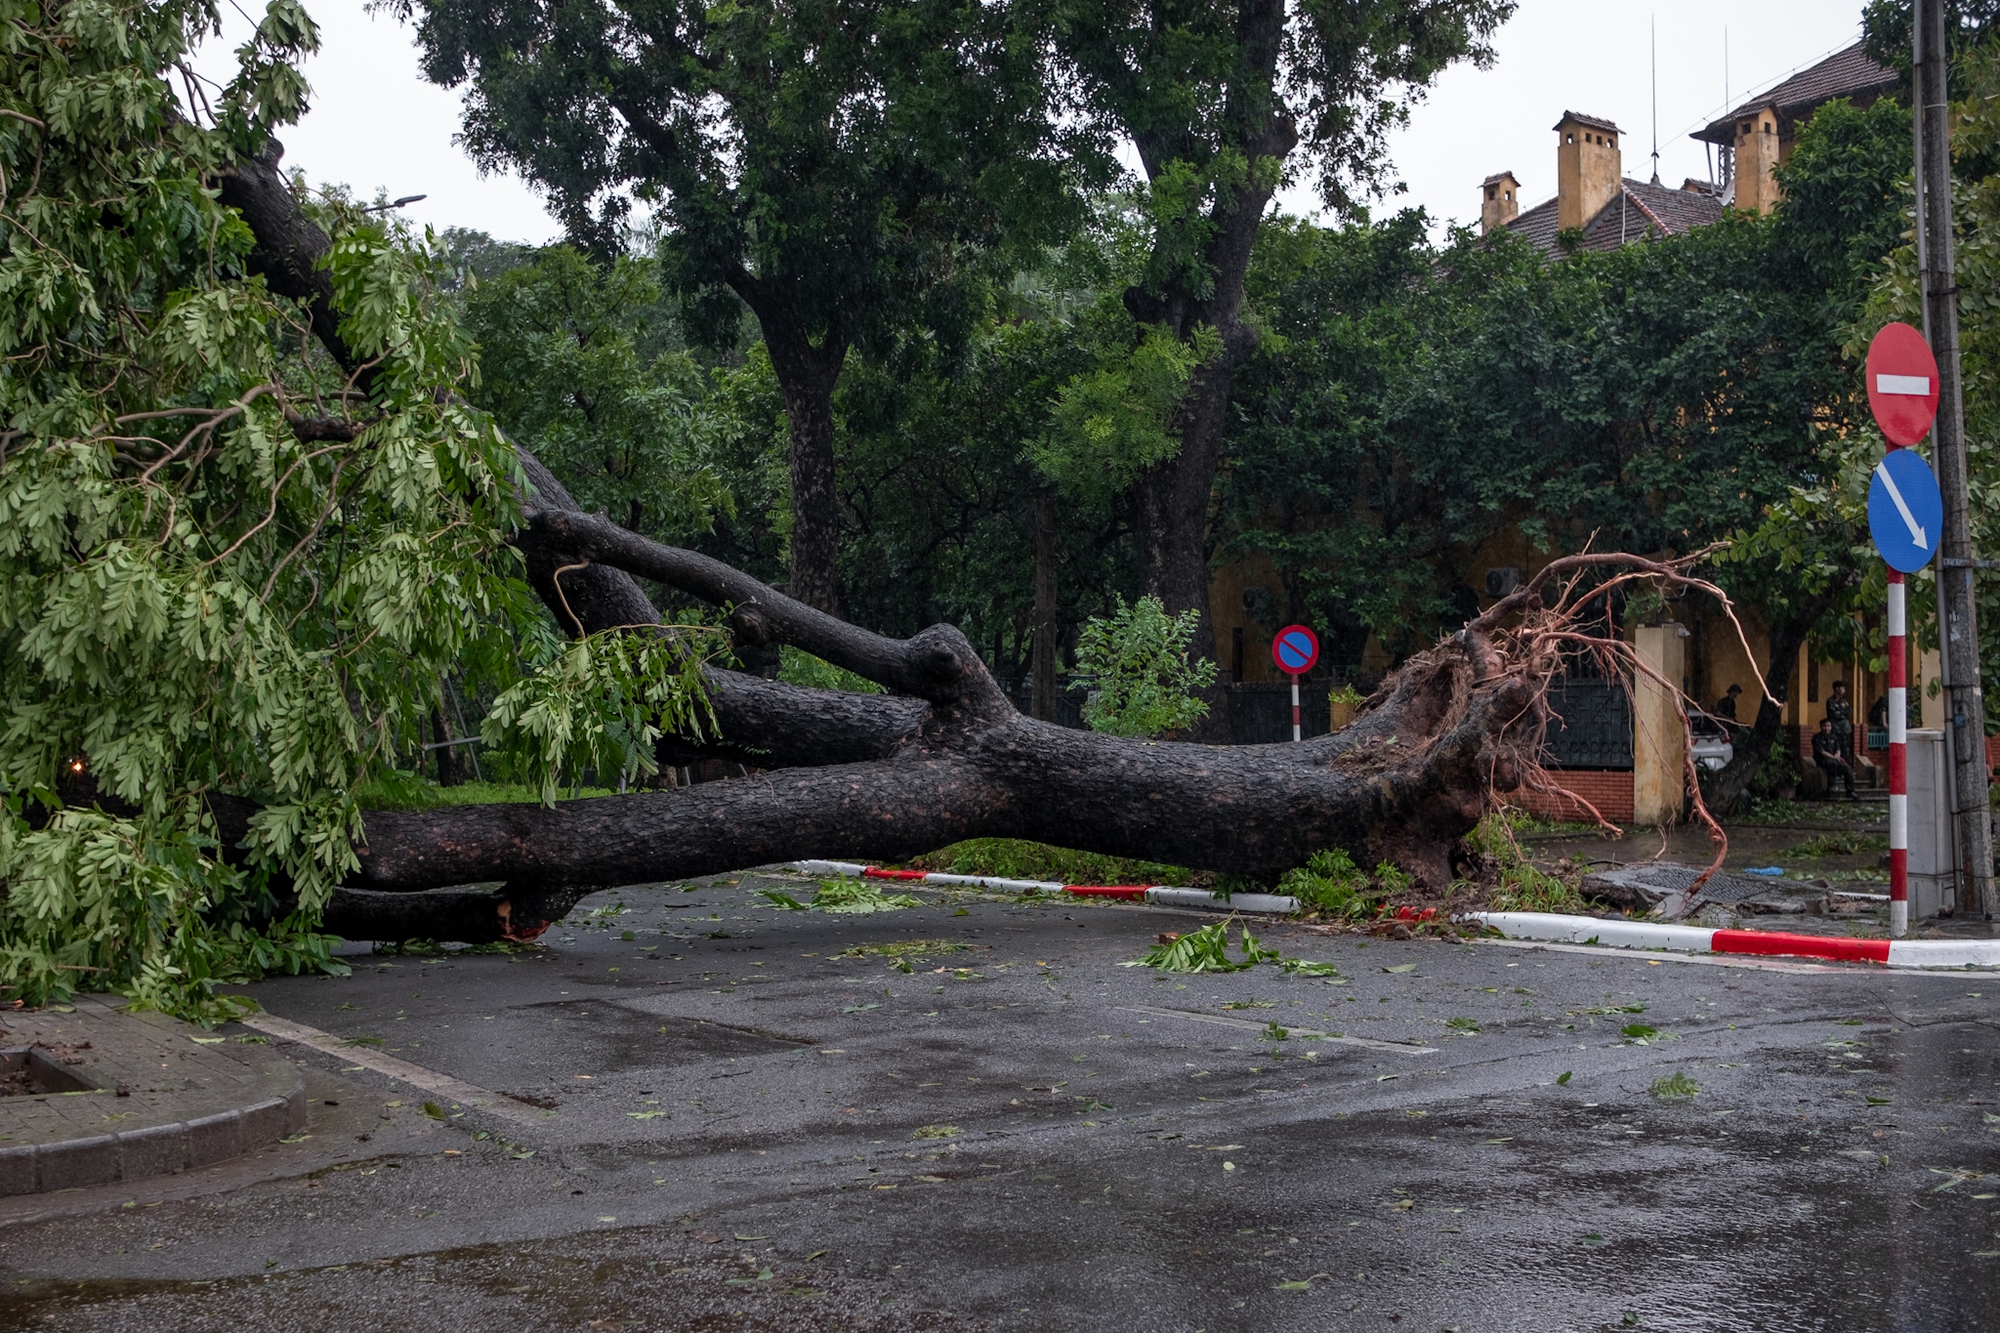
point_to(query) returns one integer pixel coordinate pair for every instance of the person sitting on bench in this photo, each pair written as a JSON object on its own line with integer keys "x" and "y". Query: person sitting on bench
{"x": 1827, "y": 753}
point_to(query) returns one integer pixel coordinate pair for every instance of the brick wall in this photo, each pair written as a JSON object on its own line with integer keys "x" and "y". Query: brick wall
{"x": 1610, "y": 790}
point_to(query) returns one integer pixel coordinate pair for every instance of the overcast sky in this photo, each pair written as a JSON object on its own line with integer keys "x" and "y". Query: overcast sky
{"x": 376, "y": 124}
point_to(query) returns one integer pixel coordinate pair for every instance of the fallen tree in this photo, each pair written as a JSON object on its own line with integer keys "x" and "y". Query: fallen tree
{"x": 944, "y": 756}
{"x": 252, "y": 539}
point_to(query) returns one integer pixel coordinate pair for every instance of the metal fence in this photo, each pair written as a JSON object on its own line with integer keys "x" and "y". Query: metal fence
{"x": 1590, "y": 724}
{"x": 1261, "y": 713}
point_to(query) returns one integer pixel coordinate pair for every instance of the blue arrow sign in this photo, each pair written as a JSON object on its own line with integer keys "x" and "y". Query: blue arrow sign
{"x": 1905, "y": 511}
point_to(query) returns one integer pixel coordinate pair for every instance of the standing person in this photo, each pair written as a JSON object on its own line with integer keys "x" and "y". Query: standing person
{"x": 1725, "y": 711}
{"x": 1831, "y": 759}
{"x": 1840, "y": 712}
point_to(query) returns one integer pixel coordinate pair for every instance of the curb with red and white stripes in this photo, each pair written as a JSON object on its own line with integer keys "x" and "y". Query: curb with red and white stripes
{"x": 1161, "y": 895}
{"x": 1617, "y": 933}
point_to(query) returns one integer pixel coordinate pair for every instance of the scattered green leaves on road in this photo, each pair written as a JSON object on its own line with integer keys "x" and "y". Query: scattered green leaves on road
{"x": 1676, "y": 1084}
{"x": 1204, "y": 950}
{"x": 902, "y": 949}
{"x": 853, "y": 897}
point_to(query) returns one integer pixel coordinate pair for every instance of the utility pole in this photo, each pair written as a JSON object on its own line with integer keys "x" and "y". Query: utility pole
{"x": 1965, "y": 705}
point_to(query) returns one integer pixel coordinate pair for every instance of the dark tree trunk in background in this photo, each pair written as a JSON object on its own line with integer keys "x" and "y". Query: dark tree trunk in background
{"x": 451, "y": 769}
{"x": 1175, "y": 495}
{"x": 806, "y": 375}
{"x": 1043, "y": 705}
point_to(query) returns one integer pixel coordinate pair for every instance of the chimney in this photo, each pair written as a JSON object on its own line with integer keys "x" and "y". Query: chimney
{"x": 1589, "y": 173}
{"x": 1499, "y": 201}
{"x": 1758, "y": 146}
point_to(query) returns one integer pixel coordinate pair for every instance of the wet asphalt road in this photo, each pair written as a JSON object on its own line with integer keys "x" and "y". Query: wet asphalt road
{"x": 746, "y": 1131}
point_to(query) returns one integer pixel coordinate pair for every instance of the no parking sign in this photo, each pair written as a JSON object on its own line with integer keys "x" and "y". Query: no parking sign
{"x": 1295, "y": 649}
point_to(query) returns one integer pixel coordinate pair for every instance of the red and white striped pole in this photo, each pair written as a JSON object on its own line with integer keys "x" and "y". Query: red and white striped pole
{"x": 1899, "y": 765}
{"x": 1295, "y": 706}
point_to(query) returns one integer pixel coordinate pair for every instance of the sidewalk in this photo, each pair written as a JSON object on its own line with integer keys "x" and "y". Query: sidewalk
{"x": 97, "y": 1095}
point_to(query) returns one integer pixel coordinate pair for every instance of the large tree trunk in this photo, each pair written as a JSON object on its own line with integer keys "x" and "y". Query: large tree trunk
{"x": 1404, "y": 783}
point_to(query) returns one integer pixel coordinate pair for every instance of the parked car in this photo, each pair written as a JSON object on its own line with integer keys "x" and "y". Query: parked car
{"x": 1712, "y": 748}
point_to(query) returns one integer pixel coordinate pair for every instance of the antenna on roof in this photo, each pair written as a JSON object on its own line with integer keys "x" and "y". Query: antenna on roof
{"x": 1656, "y": 98}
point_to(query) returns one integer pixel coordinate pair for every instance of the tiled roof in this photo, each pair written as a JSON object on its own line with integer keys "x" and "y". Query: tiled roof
{"x": 1595, "y": 122}
{"x": 1643, "y": 210}
{"x": 1536, "y": 226}
{"x": 1649, "y": 209}
{"x": 1496, "y": 178}
{"x": 1849, "y": 73}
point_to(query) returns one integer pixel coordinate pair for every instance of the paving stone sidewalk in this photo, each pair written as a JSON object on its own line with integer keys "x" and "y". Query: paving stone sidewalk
{"x": 97, "y": 1094}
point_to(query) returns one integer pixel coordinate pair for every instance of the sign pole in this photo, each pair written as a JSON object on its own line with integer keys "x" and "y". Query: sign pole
{"x": 1899, "y": 764}
{"x": 1906, "y": 517}
{"x": 1958, "y": 626}
{"x": 1295, "y": 648}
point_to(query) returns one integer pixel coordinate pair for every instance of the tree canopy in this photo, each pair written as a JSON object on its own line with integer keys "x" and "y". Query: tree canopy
{"x": 231, "y": 564}
{"x": 848, "y": 170}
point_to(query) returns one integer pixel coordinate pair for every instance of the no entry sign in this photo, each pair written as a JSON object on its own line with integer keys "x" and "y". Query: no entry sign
{"x": 1295, "y": 650}
{"x": 1902, "y": 383}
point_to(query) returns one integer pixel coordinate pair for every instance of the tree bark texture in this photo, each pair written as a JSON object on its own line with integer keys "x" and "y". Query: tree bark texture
{"x": 806, "y": 376}
{"x": 1043, "y": 704}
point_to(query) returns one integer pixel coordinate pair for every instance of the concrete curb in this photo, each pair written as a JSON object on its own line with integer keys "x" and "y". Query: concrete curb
{"x": 1164, "y": 895}
{"x": 1617, "y": 933}
{"x": 178, "y": 1098}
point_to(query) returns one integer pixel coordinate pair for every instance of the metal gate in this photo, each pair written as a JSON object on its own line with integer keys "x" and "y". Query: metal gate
{"x": 1590, "y": 724}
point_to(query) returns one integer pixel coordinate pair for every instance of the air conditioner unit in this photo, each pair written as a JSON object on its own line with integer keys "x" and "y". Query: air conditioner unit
{"x": 1502, "y": 580}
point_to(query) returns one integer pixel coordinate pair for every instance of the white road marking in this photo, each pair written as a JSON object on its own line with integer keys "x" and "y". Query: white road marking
{"x": 1400, "y": 1047}
{"x": 443, "y": 1085}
